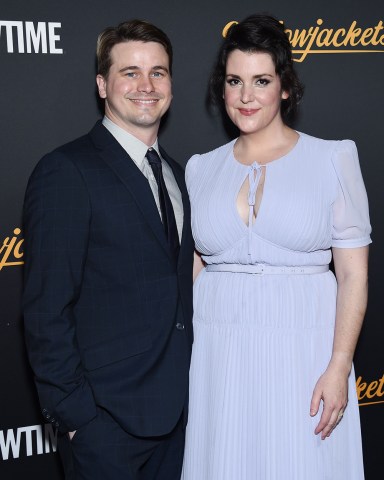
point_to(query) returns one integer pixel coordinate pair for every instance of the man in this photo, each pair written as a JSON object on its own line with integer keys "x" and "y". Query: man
{"x": 108, "y": 275}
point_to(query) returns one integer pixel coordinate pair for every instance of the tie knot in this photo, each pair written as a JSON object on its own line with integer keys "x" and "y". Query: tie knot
{"x": 153, "y": 157}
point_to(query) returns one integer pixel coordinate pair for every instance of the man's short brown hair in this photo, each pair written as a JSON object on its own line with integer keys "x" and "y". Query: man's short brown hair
{"x": 129, "y": 31}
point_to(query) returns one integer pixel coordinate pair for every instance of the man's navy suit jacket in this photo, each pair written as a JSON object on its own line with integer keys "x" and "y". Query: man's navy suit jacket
{"x": 107, "y": 313}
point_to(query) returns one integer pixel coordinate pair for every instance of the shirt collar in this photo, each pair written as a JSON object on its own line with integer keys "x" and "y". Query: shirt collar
{"x": 135, "y": 148}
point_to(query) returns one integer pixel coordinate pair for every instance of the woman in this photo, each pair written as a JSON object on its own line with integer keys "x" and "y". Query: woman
{"x": 275, "y": 332}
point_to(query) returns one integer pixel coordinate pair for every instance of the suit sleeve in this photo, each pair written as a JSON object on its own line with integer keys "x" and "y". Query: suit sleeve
{"x": 56, "y": 224}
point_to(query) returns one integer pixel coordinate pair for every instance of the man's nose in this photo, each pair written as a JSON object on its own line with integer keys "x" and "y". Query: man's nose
{"x": 145, "y": 84}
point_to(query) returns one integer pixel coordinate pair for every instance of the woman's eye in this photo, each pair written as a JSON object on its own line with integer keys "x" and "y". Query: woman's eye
{"x": 262, "y": 82}
{"x": 233, "y": 82}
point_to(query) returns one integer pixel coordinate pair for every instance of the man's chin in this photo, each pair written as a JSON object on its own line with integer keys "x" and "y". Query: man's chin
{"x": 147, "y": 121}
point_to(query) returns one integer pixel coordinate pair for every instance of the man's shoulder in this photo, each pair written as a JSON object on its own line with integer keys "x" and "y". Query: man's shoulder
{"x": 70, "y": 155}
{"x": 72, "y": 147}
{"x": 80, "y": 146}
{"x": 83, "y": 143}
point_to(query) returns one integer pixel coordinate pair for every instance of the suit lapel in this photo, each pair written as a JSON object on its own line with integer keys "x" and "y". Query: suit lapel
{"x": 120, "y": 162}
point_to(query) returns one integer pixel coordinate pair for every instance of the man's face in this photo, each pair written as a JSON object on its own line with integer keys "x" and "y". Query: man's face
{"x": 137, "y": 90}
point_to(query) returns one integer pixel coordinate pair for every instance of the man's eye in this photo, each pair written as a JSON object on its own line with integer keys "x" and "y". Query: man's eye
{"x": 157, "y": 74}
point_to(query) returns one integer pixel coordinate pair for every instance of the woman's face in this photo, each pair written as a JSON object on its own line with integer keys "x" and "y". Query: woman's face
{"x": 252, "y": 91}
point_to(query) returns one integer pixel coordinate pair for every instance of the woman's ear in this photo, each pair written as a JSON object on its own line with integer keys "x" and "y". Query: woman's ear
{"x": 284, "y": 95}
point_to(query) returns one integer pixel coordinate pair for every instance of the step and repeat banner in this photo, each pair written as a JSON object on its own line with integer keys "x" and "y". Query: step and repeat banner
{"x": 48, "y": 97}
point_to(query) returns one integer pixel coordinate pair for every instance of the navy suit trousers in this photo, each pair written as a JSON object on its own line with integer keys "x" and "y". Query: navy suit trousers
{"x": 102, "y": 450}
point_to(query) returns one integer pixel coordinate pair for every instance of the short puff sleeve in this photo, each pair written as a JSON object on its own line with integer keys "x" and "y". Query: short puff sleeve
{"x": 190, "y": 173}
{"x": 351, "y": 225}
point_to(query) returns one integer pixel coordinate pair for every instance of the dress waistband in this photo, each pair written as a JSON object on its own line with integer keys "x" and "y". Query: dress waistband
{"x": 267, "y": 269}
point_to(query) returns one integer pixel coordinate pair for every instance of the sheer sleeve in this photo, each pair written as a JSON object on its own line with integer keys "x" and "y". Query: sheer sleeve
{"x": 351, "y": 225}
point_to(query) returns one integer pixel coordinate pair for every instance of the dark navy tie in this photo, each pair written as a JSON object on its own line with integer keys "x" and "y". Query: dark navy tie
{"x": 167, "y": 213}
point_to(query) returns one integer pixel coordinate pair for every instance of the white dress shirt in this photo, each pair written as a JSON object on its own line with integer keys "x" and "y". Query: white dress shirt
{"x": 137, "y": 150}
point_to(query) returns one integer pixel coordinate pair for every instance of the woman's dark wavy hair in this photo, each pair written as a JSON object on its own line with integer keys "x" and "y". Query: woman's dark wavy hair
{"x": 259, "y": 33}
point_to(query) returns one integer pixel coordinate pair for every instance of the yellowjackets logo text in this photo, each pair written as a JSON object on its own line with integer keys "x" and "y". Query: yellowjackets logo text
{"x": 321, "y": 40}
{"x": 11, "y": 252}
{"x": 370, "y": 393}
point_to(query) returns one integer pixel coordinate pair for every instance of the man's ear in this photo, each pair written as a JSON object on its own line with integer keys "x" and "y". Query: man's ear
{"x": 102, "y": 86}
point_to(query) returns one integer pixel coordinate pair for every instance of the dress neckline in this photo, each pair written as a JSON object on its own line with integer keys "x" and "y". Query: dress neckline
{"x": 276, "y": 160}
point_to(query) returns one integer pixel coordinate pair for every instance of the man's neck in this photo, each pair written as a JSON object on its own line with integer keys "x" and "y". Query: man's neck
{"x": 147, "y": 135}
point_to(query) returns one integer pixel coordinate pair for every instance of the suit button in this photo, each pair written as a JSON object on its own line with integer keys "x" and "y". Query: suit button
{"x": 179, "y": 326}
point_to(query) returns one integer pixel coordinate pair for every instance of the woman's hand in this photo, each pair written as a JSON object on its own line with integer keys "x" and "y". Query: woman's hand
{"x": 332, "y": 389}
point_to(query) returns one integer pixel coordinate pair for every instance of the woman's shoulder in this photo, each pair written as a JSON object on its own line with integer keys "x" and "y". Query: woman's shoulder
{"x": 327, "y": 144}
{"x": 328, "y": 148}
{"x": 218, "y": 151}
{"x": 203, "y": 160}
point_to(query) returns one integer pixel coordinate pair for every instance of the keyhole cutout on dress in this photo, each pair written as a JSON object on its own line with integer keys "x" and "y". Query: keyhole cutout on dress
{"x": 243, "y": 198}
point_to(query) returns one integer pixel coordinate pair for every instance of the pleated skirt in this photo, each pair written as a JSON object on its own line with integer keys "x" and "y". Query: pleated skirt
{"x": 261, "y": 343}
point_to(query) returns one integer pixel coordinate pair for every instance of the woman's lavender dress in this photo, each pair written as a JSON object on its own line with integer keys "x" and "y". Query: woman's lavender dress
{"x": 262, "y": 341}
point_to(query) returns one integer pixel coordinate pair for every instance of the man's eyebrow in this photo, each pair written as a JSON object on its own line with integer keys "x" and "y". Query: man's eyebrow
{"x": 130, "y": 67}
{"x": 135, "y": 67}
{"x": 160, "y": 67}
